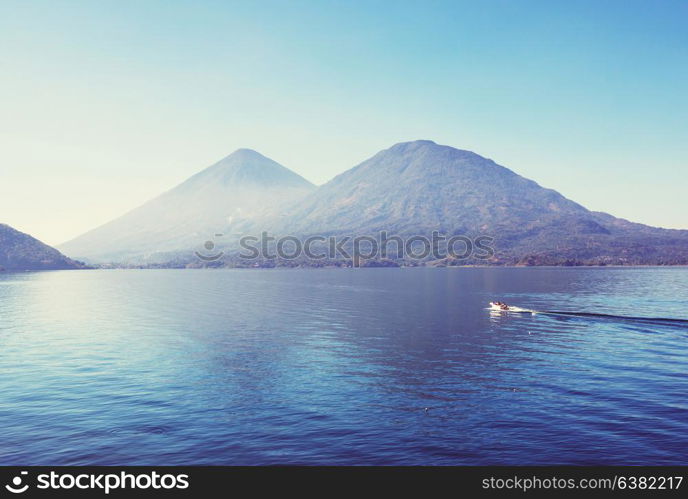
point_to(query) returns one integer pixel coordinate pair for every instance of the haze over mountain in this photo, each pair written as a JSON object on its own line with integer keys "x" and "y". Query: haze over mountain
{"x": 20, "y": 251}
{"x": 241, "y": 188}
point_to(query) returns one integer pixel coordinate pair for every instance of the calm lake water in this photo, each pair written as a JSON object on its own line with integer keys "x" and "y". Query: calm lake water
{"x": 337, "y": 367}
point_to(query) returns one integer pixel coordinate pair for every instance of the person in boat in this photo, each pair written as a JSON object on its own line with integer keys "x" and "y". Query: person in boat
{"x": 502, "y": 305}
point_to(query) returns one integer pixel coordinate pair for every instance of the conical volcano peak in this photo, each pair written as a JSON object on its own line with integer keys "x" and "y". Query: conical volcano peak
{"x": 244, "y": 158}
{"x": 416, "y": 147}
{"x": 237, "y": 190}
{"x": 249, "y": 166}
{"x": 413, "y": 186}
{"x": 413, "y": 144}
{"x": 244, "y": 154}
{"x": 421, "y": 157}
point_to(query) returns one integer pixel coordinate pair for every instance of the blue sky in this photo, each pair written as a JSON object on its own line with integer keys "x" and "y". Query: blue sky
{"x": 107, "y": 104}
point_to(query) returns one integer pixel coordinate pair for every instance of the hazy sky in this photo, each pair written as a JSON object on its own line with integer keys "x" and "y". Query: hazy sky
{"x": 107, "y": 104}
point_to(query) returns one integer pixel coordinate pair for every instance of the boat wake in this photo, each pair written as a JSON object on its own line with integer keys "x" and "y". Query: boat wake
{"x": 593, "y": 315}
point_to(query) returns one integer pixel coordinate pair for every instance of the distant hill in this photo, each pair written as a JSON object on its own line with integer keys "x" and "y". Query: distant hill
{"x": 222, "y": 199}
{"x": 19, "y": 251}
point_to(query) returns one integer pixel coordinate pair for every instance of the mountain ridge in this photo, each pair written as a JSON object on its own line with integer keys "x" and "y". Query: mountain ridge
{"x": 410, "y": 188}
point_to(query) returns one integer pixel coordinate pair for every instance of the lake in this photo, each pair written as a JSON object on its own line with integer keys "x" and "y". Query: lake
{"x": 343, "y": 366}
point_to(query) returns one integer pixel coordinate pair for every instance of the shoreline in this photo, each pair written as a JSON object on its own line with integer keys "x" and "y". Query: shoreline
{"x": 401, "y": 267}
